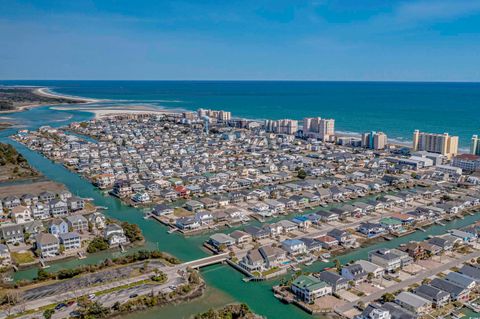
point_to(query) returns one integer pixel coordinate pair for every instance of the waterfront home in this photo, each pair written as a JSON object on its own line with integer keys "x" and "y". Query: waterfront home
{"x": 75, "y": 203}
{"x": 456, "y": 292}
{"x": 327, "y": 216}
{"x": 241, "y": 237}
{"x": 294, "y": 246}
{"x": 336, "y": 281}
{"x": 405, "y": 219}
{"x": 29, "y": 199}
{"x": 21, "y": 214}
{"x": 47, "y": 245}
{"x": 57, "y": 226}
{"x": 416, "y": 250}
{"x": 187, "y": 223}
{"x": 115, "y": 235}
{"x": 275, "y": 229}
{"x": 221, "y": 241}
{"x": 77, "y": 223}
{"x": 437, "y": 297}
{"x": 371, "y": 230}
{"x": 444, "y": 243}
{"x": 354, "y": 273}
{"x": 272, "y": 256}
{"x": 312, "y": 244}
{"x": 302, "y": 222}
{"x": 327, "y": 242}
{"x": 386, "y": 259}
{"x": 204, "y": 217}
{"x": 161, "y": 210}
{"x": 46, "y": 196}
{"x": 262, "y": 209}
{"x": 10, "y": 202}
{"x": 58, "y": 208}
{"x": 309, "y": 288}
{"x": 343, "y": 237}
{"x": 141, "y": 197}
{"x": 257, "y": 232}
{"x": 413, "y": 303}
{"x": 5, "y": 259}
{"x": 253, "y": 261}
{"x": 70, "y": 240}
{"x": 392, "y": 224}
{"x": 461, "y": 280}
{"x": 464, "y": 236}
{"x": 97, "y": 220}
{"x": 287, "y": 226}
{"x": 121, "y": 189}
{"x": 12, "y": 234}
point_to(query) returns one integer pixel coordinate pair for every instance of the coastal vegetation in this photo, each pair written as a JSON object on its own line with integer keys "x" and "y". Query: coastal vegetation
{"x": 132, "y": 232}
{"x": 192, "y": 289}
{"x": 13, "y": 165}
{"x": 97, "y": 244}
{"x": 236, "y": 311}
{"x": 13, "y": 98}
{"x": 142, "y": 255}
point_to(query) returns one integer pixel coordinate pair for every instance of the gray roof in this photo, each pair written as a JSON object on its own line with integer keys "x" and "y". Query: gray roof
{"x": 431, "y": 293}
{"x": 412, "y": 299}
{"x": 459, "y": 279}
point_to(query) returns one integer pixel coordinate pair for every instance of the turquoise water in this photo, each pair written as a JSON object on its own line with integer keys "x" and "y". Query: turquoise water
{"x": 397, "y": 108}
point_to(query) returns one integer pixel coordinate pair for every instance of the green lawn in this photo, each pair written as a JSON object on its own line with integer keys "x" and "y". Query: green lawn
{"x": 23, "y": 257}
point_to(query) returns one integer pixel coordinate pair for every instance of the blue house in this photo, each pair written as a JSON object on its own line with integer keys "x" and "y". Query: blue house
{"x": 57, "y": 226}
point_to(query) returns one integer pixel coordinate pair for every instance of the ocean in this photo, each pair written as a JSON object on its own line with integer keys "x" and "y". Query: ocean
{"x": 396, "y": 108}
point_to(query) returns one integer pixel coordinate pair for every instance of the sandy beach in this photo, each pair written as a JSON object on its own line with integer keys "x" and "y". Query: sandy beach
{"x": 117, "y": 110}
{"x": 44, "y": 91}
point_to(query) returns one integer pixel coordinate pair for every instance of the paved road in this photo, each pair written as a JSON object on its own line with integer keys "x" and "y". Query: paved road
{"x": 416, "y": 279}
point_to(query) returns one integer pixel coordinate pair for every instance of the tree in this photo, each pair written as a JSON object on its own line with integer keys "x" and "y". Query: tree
{"x": 47, "y": 314}
{"x": 338, "y": 265}
{"x": 301, "y": 174}
{"x": 97, "y": 244}
{"x": 388, "y": 297}
{"x": 370, "y": 276}
{"x": 132, "y": 232}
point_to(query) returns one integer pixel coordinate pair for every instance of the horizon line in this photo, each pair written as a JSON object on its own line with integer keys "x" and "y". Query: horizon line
{"x": 239, "y": 80}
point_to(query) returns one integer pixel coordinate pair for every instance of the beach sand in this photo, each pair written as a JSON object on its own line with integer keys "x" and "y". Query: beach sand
{"x": 116, "y": 110}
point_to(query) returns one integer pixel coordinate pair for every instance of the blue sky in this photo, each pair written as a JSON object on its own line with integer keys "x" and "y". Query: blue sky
{"x": 417, "y": 40}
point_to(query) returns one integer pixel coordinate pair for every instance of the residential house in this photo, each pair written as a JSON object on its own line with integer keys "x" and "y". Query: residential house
{"x": 437, "y": 297}
{"x": 21, "y": 214}
{"x": 115, "y": 235}
{"x": 57, "y": 226}
{"x": 294, "y": 246}
{"x": 12, "y": 234}
{"x": 77, "y": 223}
{"x": 70, "y": 240}
{"x": 221, "y": 241}
{"x": 386, "y": 259}
{"x": 336, "y": 281}
{"x": 413, "y": 303}
{"x": 309, "y": 288}
{"x": 354, "y": 273}
{"x": 47, "y": 245}
{"x": 456, "y": 292}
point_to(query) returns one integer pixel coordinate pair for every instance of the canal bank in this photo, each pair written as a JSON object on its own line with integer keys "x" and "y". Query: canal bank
{"x": 225, "y": 284}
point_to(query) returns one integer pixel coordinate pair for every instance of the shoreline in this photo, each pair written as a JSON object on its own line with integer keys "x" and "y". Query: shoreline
{"x": 46, "y": 92}
{"x": 113, "y": 111}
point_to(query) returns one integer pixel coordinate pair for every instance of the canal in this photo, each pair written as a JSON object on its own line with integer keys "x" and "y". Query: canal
{"x": 225, "y": 285}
